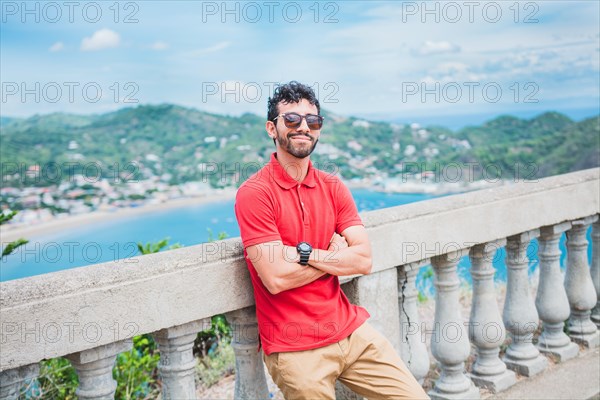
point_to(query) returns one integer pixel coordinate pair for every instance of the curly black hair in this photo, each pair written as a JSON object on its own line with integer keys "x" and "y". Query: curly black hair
{"x": 291, "y": 92}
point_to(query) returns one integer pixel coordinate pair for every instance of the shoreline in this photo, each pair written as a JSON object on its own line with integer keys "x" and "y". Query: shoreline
{"x": 13, "y": 232}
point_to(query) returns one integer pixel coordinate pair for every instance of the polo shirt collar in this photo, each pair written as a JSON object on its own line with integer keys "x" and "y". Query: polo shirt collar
{"x": 284, "y": 180}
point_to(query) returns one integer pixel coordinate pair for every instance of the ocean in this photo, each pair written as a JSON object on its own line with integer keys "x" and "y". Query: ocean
{"x": 189, "y": 225}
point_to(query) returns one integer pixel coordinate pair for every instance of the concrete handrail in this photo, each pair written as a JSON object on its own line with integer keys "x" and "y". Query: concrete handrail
{"x": 70, "y": 311}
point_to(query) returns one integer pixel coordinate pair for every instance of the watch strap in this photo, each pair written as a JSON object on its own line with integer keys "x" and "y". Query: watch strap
{"x": 304, "y": 257}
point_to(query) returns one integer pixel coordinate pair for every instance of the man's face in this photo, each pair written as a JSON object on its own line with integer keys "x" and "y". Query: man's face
{"x": 301, "y": 141}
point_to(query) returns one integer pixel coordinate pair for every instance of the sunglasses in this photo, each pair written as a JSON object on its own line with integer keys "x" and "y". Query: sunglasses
{"x": 294, "y": 120}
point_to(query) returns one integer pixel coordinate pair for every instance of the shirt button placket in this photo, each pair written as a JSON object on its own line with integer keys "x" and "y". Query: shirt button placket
{"x": 304, "y": 213}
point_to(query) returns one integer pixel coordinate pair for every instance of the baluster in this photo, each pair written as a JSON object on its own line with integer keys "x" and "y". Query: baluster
{"x": 551, "y": 300}
{"x": 520, "y": 316}
{"x": 12, "y": 380}
{"x": 486, "y": 329}
{"x": 595, "y": 271}
{"x": 177, "y": 365}
{"x": 413, "y": 349}
{"x": 250, "y": 380}
{"x": 94, "y": 368}
{"x": 449, "y": 343}
{"x": 580, "y": 288}
{"x": 366, "y": 291}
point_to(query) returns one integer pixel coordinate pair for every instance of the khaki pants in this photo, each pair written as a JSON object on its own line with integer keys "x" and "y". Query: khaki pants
{"x": 365, "y": 361}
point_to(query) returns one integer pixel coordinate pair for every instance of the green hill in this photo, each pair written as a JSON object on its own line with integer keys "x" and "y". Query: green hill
{"x": 182, "y": 144}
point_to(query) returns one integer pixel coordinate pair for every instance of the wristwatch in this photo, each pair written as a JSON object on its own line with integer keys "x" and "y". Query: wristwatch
{"x": 304, "y": 250}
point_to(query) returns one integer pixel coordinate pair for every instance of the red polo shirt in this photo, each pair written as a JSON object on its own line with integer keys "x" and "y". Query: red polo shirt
{"x": 272, "y": 206}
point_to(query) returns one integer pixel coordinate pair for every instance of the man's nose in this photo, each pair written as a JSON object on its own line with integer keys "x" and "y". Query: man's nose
{"x": 303, "y": 126}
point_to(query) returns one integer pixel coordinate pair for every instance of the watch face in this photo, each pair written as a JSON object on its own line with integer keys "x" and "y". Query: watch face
{"x": 303, "y": 247}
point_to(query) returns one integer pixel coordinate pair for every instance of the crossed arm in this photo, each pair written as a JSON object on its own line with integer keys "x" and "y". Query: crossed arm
{"x": 278, "y": 268}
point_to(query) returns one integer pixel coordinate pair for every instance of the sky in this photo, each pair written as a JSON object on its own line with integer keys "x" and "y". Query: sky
{"x": 385, "y": 60}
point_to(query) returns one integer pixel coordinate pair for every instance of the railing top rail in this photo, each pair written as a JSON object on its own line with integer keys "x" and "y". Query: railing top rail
{"x": 512, "y": 190}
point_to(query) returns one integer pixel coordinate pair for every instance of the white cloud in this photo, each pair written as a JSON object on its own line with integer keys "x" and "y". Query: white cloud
{"x": 102, "y": 39}
{"x": 58, "y": 46}
{"x": 159, "y": 45}
{"x": 451, "y": 67}
{"x": 217, "y": 47}
{"x": 431, "y": 47}
{"x": 452, "y": 71}
{"x": 206, "y": 50}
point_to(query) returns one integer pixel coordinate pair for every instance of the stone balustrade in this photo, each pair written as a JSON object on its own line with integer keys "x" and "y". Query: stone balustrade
{"x": 90, "y": 314}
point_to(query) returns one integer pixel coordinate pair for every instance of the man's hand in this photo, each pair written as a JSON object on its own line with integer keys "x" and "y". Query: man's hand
{"x": 347, "y": 254}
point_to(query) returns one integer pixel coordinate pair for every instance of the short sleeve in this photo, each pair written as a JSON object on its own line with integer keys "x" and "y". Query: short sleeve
{"x": 347, "y": 214}
{"x": 256, "y": 216}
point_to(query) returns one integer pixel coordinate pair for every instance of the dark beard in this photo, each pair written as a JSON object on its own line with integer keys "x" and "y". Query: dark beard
{"x": 286, "y": 143}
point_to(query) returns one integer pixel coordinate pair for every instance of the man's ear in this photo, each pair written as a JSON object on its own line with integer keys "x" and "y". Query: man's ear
{"x": 270, "y": 128}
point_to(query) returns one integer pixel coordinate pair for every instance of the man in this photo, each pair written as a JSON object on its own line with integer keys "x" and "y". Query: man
{"x": 301, "y": 230}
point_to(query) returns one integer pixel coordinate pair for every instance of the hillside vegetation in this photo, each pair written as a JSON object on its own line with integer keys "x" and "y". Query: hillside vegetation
{"x": 178, "y": 144}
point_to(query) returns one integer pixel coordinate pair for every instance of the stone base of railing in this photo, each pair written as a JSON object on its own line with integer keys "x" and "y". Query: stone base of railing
{"x": 590, "y": 340}
{"x": 494, "y": 383}
{"x": 472, "y": 392}
{"x": 562, "y": 352}
{"x": 529, "y": 367}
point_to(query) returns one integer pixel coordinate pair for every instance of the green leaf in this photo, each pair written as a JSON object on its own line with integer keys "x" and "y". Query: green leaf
{"x": 12, "y": 246}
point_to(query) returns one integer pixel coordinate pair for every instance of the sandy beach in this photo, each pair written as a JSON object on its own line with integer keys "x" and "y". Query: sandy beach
{"x": 10, "y": 232}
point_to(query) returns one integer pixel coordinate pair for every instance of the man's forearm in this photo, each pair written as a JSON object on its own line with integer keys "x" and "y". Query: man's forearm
{"x": 278, "y": 268}
{"x": 342, "y": 262}
{"x": 292, "y": 275}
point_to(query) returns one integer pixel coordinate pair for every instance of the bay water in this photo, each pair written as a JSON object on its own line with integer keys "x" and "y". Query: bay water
{"x": 116, "y": 239}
